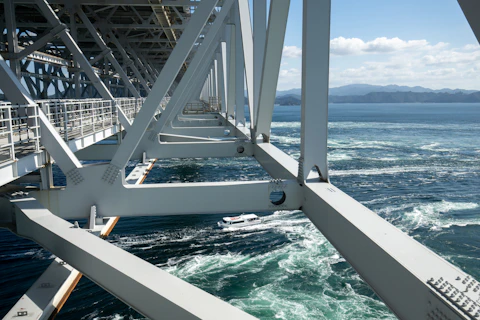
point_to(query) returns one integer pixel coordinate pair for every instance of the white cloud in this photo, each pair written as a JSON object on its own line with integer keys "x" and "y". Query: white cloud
{"x": 289, "y": 78}
{"x": 292, "y": 52}
{"x": 356, "y": 46}
{"x": 456, "y": 56}
{"x": 385, "y": 61}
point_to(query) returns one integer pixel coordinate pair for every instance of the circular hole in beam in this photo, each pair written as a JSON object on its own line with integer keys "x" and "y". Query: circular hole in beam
{"x": 277, "y": 197}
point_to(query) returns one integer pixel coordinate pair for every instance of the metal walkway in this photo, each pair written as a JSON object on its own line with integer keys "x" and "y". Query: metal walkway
{"x": 80, "y": 123}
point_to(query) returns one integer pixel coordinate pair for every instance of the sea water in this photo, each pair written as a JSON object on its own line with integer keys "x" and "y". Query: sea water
{"x": 416, "y": 165}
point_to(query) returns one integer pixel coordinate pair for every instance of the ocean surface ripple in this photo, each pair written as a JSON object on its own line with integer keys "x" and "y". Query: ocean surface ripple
{"x": 416, "y": 165}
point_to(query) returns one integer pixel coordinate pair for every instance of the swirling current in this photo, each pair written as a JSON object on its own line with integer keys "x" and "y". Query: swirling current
{"x": 416, "y": 165}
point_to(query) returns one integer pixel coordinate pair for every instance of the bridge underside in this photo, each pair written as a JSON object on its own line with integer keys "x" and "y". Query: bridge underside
{"x": 144, "y": 80}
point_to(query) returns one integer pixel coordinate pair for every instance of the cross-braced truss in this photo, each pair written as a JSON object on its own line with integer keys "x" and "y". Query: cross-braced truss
{"x": 166, "y": 79}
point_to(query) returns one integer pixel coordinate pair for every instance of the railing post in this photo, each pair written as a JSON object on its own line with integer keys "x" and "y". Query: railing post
{"x": 103, "y": 114}
{"x": 115, "y": 106}
{"x": 65, "y": 122}
{"x": 111, "y": 111}
{"x": 93, "y": 116}
{"x": 81, "y": 119}
{"x": 36, "y": 127}
{"x": 10, "y": 132}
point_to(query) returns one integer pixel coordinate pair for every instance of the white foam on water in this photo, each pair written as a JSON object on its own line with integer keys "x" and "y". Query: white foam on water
{"x": 382, "y": 171}
{"x": 435, "y": 215}
{"x": 338, "y": 156}
{"x": 114, "y": 316}
{"x": 285, "y": 139}
{"x": 402, "y": 126}
{"x": 307, "y": 254}
{"x": 276, "y": 125}
{"x": 437, "y": 147}
{"x": 363, "y": 144}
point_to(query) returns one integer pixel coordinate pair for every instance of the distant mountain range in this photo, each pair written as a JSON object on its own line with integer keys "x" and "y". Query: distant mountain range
{"x": 362, "y": 89}
{"x": 365, "y": 93}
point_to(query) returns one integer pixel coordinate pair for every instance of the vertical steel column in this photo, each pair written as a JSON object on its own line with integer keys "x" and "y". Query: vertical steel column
{"x": 208, "y": 86}
{"x": 277, "y": 23}
{"x": 259, "y": 38}
{"x": 199, "y": 74}
{"x": 221, "y": 76}
{"x": 230, "y": 30}
{"x": 315, "y": 64}
{"x": 210, "y": 78}
{"x": 106, "y": 71}
{"x": 76, "y": 73}
{"x": 9, "y": 7}
{"x": 215, "y": 77}
{"x": 239, "y": 72}
{"x": 247, "y": 41}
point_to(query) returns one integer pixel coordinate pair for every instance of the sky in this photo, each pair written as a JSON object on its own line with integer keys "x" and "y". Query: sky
{"x": 409, "y": 42}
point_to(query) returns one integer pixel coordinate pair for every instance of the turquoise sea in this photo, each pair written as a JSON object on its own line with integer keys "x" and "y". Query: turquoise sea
{"x": 416, "y": 165}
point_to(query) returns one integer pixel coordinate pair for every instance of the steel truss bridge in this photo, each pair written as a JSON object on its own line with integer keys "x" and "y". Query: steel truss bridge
{"x": 120, "y": 80}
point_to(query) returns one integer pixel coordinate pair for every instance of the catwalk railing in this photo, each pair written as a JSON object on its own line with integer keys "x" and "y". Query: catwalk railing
{"x": 20, "y": 132}
{"x": 214, "y": 104}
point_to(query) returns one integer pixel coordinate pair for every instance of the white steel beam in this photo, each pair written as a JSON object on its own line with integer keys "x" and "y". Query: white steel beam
{"x": 470, "y": 9}
{"x": 406, "y": 275}
{"x": 160, "y": 88}
{"x": 138, "y": 63}
{"x": 215, "y": 77}
{"x": 163, "y": 199}
{"x": 231, "y": 53}
{"x": 205, "y": 149}
{"x": 221, "y": 74}
{"x": 40, "y": 43}
{"x": 149, "y": 67}
{"x": 129, "y": 62}
{"x": 239, "y": 72}
{"x": 176, "y": 102}
{"x": 79, "y": 57}
{"x": 398, "y": 268}
{"x": 11, "y": 86}
{"x": 178, "y": 146}
{"x": 277, "y": 23}
{"x": 247, "y": 43}
{"x": 209, "y": 80}
{"x": 103, "y": 46}
{"x": 187, "y": 89}
{"x": 218, "y": 131}
{"x": 50, "y": 138}
{"x": 147, "y": 3}
{"x": 259, "y": 43}
{"x": 151, "y": 291}
{"x": 58, "y": 149}
{"x": 11, "y": 29}
{"x": 48, "y": 294}
{"x": 315, "y": 68}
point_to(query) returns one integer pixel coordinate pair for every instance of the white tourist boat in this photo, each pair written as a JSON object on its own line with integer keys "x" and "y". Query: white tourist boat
{"x": 240, "y": 221}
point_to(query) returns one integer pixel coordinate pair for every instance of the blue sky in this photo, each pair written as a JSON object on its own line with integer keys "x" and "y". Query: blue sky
{"x": 423, "y": 42}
